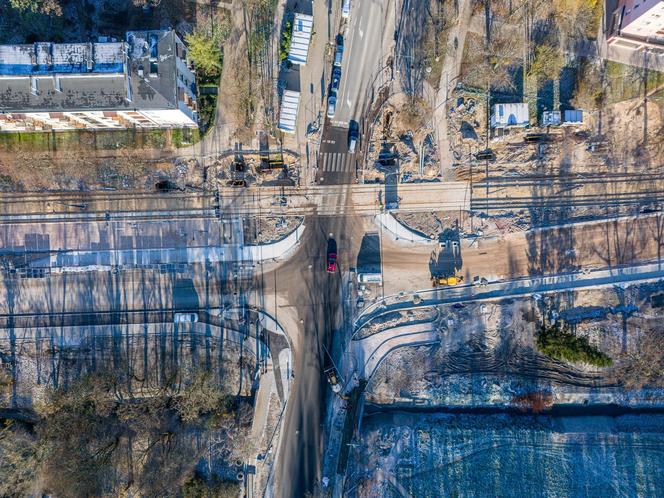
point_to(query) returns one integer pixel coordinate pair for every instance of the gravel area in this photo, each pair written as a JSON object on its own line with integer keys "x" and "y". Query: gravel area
{"x": 488, "y": 354}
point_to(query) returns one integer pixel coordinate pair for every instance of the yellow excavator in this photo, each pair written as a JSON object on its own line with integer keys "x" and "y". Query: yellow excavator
{"x": 443, "y": 281}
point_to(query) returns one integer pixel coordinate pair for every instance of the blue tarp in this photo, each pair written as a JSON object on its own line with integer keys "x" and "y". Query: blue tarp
{"x": 28, "y": 69}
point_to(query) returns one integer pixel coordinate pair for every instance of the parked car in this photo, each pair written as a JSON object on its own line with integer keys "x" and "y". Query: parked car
{"x": 336, "y": 79}
{"x": 345, "y": 9}
{"x": 353, "y": 136}
{"x": 185, "y": 318}
{"x": 339, "y": 39}
{"x": 339, "y": 51}
{"x": 331, "y": 105}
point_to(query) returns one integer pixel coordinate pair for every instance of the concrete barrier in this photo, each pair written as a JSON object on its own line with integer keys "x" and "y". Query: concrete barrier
{"x": 78, "y": 261}
{"x": 401, "y": 231}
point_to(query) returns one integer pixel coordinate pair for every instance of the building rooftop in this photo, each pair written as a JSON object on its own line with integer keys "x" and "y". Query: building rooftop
{"x": 573, "y": 116}
{"x": 140, "y": 73}
{"x": 51, "y": 58}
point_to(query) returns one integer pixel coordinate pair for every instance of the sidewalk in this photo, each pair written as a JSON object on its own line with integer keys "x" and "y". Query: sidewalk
{"x": 265, "y": 388}
{"x": 526, "y": 286}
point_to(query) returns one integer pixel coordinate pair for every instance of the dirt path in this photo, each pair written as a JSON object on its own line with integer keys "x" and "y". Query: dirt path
{"x": 226, "y": 123}
{"x": 451, "y": 70}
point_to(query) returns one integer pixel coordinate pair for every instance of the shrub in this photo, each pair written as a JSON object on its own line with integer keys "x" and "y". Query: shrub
{"x": 205, "y": 52}
{"x": 286, "y": 39}
{"x": 642, "y": 365}
{"x": 198, "y": 487}
{"x": 547, "y": 63}
{"x": 565, "y": 346}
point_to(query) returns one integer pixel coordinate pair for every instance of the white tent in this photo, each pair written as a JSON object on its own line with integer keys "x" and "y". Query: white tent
{"x": 303, "y": 26}
{"x": 290, "y": 101}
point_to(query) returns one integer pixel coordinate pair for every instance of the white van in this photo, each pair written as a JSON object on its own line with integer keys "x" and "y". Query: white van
{"x": 185, "y": 318}
{"x": 370, "y": 278}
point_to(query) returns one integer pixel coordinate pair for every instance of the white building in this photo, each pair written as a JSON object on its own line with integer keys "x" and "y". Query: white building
{"x": 142, "y": 82}
{"x": 638, "y": 18}
{"x": 508, "y": 115}
{"x": 551, "y": 118}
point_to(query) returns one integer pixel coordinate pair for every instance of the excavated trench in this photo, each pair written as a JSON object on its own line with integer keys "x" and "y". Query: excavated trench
{"x": 476, "y": 358}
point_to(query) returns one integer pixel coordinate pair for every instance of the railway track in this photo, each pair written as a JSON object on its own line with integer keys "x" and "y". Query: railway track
{"x": 569, "y": 191}
{"x": 650, "y": 199}
{"x": 580, "y": 179}
{"x": 106, "y": 206}
{"x": 152, "y": 215}
{"x": 99, "y": 195}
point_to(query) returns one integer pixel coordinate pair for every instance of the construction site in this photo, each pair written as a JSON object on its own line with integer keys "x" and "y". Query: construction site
{"x": 382, "y": 248}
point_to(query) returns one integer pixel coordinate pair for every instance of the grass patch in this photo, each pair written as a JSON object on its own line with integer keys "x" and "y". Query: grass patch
{"x": 565, "y": 346}
{"x": 44, "y": 141}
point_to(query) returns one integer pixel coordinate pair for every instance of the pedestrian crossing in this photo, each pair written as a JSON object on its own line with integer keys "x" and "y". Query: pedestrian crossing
{"x": 337, "y": 162}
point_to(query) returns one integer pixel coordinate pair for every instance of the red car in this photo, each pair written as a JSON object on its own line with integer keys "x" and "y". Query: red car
{"x": 331, "y": 262}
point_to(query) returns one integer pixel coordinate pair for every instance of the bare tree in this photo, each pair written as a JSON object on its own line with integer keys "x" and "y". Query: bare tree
{"x": 642, "y": 366}
{"x": 490, "y": 62}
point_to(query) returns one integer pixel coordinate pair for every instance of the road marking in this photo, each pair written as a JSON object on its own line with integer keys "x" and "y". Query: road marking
{"x": 336, "y": 162}
{"x": 344, "y": 67}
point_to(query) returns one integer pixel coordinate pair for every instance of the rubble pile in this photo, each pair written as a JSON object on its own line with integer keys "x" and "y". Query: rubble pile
{"x": 269, "y": 229}
{"x": 249, "y": 169}
{"x": 403, "y": 142}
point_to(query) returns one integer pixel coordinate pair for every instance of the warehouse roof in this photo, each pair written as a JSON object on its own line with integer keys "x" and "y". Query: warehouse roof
{"x": 303, "y": 26}
{"x": 290, "y": 102}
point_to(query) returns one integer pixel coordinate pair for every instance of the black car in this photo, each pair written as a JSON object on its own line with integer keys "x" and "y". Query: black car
{"x": 336, "y": 79}
{"x": 339, "y": 51}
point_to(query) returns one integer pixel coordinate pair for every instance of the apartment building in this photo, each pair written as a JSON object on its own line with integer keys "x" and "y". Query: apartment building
{"x": 144, "y": 81}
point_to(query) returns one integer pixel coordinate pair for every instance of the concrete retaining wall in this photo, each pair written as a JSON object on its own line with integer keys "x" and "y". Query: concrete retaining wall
{"x": 273, "y": 250}
{"x": 401, "y": 231}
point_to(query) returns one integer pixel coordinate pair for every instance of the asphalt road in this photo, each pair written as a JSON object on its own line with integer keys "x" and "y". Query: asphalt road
{"x": 336, "y": 165}
{"x": 316, "y": 297}
{"x": 364, "y": 50}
